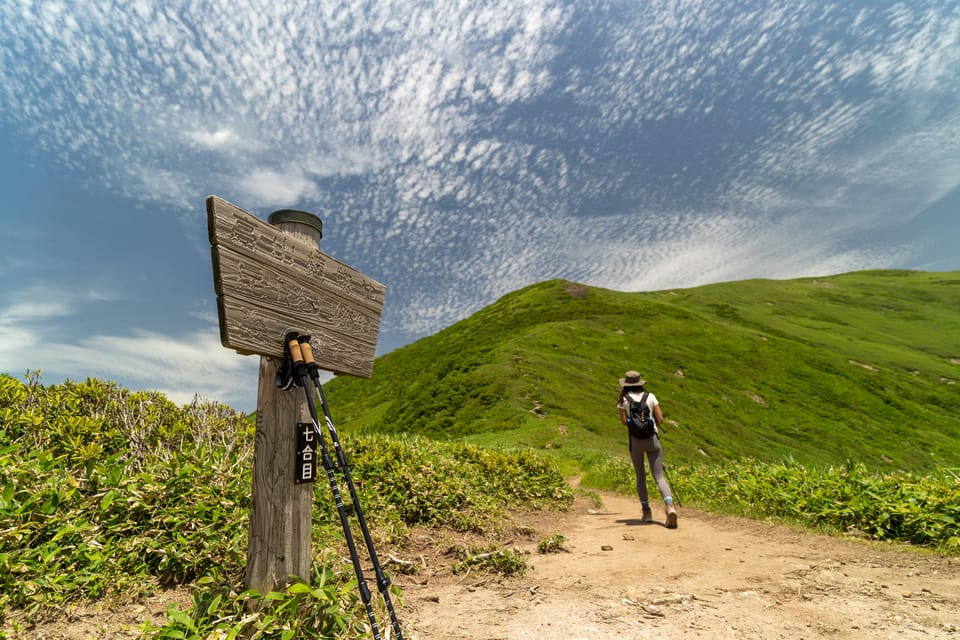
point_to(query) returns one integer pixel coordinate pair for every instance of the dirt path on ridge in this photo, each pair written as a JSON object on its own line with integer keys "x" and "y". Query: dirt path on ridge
{"x": 714, "y": 577}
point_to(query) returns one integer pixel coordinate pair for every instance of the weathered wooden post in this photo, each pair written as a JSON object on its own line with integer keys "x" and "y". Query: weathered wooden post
{"x": 280, "y": 511}
{"x": 272, "y": 279}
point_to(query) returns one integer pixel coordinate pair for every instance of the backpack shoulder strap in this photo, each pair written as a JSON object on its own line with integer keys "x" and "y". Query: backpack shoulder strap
{"x": 642, "y": 402}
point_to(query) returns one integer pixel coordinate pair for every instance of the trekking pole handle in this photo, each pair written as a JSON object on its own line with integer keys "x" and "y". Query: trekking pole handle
{"x": 307, "y": 352}
{"x": 296, "y": 354}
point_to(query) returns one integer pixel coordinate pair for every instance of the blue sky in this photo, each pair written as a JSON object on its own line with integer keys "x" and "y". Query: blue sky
{"x": 455, "y": 150}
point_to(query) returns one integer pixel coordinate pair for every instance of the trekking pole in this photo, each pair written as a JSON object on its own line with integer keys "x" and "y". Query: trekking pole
{"x": 300, "y": 375}
{"x": 672, "y": 488}
{"x": 665, "y": 474}
{"x": 383, "y": 582}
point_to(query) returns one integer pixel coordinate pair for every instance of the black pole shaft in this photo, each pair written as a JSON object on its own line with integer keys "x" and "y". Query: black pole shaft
{"x": 300, "y": 374}
{"x": 672, "y": 488}
{"x": 383, "y": 582}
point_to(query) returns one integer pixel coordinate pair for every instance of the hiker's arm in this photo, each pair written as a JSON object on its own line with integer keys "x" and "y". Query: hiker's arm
{"x": 658, "y": 414}
{"x": 623, "y": 415}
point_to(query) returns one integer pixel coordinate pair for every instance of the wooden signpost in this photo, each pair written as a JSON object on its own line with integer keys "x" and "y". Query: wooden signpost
{"x": 271, "y": 279}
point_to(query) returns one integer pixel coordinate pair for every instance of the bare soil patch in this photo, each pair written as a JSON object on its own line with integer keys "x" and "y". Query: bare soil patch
{"x": 713, "y": 577}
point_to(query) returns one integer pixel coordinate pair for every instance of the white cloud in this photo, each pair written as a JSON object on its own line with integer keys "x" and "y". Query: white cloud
{"x": 265, "y": 186}
{"x": 32, "y": 310}
{"x": 214, "y": 139}
{"x": 179, "y": 366}
{"x": 36, "y": 334}
{"x": 174, "y": 184}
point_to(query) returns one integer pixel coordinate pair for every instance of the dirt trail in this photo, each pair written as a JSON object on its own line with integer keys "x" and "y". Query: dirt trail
{"x": 714, "y": 577}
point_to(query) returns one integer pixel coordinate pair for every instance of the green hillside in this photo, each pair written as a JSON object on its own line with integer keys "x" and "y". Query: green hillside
{"x": 859, "y": 366}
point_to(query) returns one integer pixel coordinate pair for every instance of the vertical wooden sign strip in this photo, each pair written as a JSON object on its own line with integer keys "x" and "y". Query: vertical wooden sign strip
{"x": 281, "y": 516}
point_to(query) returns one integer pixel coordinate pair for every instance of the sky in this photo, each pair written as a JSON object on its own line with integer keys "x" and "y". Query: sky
{"x": 455, "y": 150}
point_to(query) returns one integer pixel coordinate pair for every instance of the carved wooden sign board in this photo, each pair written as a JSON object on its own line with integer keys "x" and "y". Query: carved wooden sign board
{"x": 269, "y": 282}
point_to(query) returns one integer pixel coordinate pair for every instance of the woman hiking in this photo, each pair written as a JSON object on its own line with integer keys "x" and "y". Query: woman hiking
{"x": 641, "y": 413}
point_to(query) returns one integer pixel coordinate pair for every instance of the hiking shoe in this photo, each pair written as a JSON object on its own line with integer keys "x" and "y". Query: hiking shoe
{"x": 647, "y": 515}
{"x": 671, "y": 517}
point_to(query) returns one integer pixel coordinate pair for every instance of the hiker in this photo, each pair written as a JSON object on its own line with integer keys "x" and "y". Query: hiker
{"x": 641, "y": 413}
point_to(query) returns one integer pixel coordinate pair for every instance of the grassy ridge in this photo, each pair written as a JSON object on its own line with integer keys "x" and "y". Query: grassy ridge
{"x": 108, "y": 494}
{"x": 857, "y": 366}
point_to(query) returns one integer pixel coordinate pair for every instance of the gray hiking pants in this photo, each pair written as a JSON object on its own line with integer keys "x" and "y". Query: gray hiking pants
{"x": 651, "y": 447}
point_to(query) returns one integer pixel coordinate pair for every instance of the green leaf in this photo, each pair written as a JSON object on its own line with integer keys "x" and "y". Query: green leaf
{"x": 181, "y": 618}
{"x": 8, "y": 491}
{"x": 214, "y": 605}
{"x": 107, "y": 500}
{"x": 298, "y": 587}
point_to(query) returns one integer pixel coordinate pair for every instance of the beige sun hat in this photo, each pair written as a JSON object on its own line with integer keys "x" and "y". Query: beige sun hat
{"x": 632, "y": 379}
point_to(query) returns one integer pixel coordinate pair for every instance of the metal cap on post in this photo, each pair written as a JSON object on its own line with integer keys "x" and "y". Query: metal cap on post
{"x": 298, "y": 223}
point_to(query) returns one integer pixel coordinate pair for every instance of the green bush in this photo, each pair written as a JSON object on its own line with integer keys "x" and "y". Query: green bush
{"x": 552, "y": 544}
{"x": 106, "y": 493}
{"x": 326, "y": 610}
{"x": 489, "y": 559}
{"x": 466, "y": 487}
{"x": 922, "y": 510}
